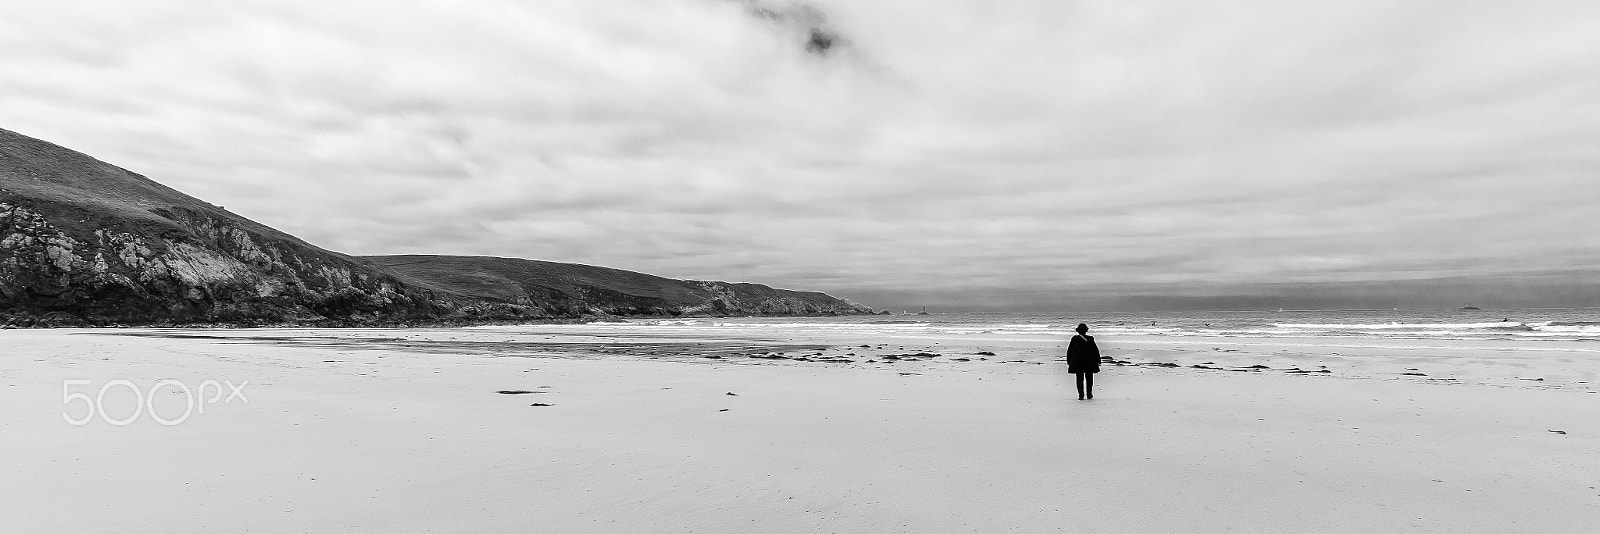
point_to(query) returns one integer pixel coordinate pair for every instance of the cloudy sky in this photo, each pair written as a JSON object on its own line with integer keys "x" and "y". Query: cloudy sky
{"x": 894, "y": 151}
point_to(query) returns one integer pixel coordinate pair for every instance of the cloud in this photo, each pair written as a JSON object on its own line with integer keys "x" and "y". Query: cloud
{"x": 952, "y": 147}
{"x": 810, "y": 23}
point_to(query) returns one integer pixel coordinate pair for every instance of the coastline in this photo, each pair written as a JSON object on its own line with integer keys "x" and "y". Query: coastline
{"x": 67, "y": 321}
{"x": 404, "y": 429}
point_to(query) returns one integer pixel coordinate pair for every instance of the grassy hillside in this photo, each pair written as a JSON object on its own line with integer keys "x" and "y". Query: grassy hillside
{"x": 622, "y": 292}
{"x": 86, "y": 242}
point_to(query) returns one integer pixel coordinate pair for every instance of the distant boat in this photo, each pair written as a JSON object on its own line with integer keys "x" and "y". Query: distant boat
{"x": 1470, "y": 307}
{"x": 924, "y": 311}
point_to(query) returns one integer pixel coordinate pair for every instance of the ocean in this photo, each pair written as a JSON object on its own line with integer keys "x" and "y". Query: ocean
{"x": 1530, "y": 324}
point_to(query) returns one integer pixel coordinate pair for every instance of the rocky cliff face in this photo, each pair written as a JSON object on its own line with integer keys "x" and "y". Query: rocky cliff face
{"x": 755, "y": 299}
{"x": 197, "y": 268}
{"x": 85, "y": 242}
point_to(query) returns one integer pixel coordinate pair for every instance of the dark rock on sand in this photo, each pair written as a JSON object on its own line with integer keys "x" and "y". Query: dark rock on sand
{"x": 913, "y": 356}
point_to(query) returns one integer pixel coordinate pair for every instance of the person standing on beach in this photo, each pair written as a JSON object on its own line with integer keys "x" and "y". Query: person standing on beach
{"x": 1083, "y": 360}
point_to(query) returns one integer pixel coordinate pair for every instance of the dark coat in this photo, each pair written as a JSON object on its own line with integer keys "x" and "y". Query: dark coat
{"x": 1082, "y": 355}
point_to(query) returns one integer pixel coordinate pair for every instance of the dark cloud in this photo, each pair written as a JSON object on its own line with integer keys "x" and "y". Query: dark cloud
{"x": 804, "y": 20}
{"x": 820, "y": 41}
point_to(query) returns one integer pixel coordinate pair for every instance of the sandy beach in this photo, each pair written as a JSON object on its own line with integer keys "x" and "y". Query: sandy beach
{"x": 608, "y": 428}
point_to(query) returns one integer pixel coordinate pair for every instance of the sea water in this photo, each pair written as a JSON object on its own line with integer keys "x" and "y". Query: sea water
{"x": 1530, "y": 324}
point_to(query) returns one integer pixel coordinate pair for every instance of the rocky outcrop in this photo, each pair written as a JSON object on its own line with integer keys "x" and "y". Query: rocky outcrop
{"x": 197, "y": 270}
{"x": 83, "y": 242}
{"x": 755, "y": 299}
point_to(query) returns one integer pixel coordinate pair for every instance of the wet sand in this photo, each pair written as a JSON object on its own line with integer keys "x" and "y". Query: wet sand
{"x": 608, "y": 428}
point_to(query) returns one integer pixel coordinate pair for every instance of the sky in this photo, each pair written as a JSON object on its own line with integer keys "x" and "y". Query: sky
{"x": 954, "y": 153}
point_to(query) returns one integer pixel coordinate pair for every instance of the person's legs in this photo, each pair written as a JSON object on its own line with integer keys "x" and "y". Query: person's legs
{"x": 1088, "y": 384}
{"x": 1080, "y": 385}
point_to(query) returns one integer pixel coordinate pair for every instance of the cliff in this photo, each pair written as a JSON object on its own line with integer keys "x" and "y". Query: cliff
{"x": 86, "y": 242}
